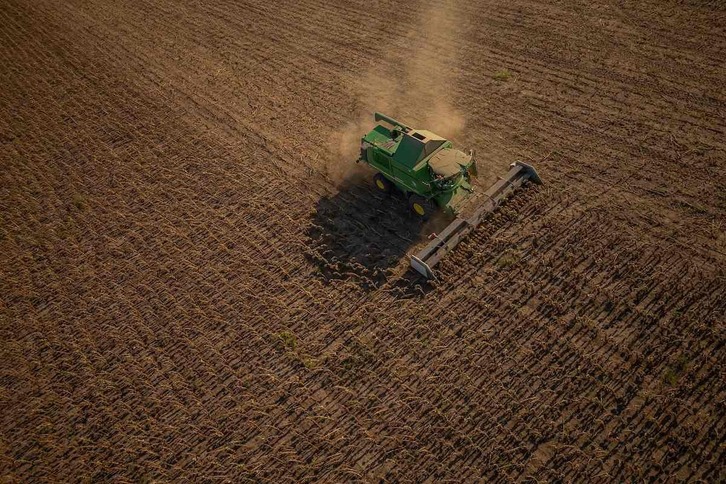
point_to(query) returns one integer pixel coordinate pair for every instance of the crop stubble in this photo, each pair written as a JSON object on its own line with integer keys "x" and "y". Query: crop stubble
{"x": 188, "y": 292}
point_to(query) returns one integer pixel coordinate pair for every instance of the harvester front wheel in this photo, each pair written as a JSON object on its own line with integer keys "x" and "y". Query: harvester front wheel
{"x": 382, "y": 183}
{"x": 421, "y": 207}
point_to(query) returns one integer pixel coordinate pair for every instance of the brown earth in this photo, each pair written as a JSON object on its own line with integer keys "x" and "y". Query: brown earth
{"x": 195, "y": 286}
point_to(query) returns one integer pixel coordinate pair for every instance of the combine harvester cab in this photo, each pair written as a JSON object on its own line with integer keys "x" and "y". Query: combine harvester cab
{"x": 430, "y": 172}
{"x": 422, "y": 165}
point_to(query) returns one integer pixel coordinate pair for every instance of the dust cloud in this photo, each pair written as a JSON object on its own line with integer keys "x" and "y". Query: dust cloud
{"x": 431, "y": 71}
{"x": 412, "y": 82}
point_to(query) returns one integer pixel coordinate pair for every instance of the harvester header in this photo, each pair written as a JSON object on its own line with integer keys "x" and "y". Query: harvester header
{"x": 431, "y": 173}
{"x": 425, "y": 260}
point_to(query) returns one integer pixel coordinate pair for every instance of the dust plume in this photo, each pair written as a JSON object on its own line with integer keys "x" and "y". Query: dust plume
{"x": 412, "y": 82}
{"x": 431, "y": 71}
{"x": 345, "y": 143}
{"x": 374, "y": 94}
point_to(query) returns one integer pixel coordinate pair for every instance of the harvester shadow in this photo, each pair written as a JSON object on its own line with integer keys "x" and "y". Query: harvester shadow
{"x": 361, "y": 234}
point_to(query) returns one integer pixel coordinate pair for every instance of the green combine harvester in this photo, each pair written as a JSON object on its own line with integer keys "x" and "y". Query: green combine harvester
{"x": 433, "y": 175}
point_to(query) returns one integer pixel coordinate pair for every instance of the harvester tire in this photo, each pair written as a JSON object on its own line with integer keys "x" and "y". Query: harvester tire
{"x": 382, "y": 183}
{"x": 421, "y": 207}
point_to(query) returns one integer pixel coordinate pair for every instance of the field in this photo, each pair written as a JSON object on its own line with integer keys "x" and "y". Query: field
{"x": 198, "y": 283}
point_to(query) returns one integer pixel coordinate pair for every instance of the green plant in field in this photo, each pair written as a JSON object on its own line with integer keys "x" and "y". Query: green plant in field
{"x": 502, "y": 75}
{"x": 309, "y": 362}
{"x": 79, "y": 201}
{"x": 288, "y": 339}
{"x": 509, "y": 257}
{"x": 670, "y": 376}
{"x": 673, "y": 373}
{"x": 349, "y": 363}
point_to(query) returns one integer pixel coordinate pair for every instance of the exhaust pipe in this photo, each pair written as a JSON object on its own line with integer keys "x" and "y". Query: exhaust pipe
{"x": 382, "y": 117}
